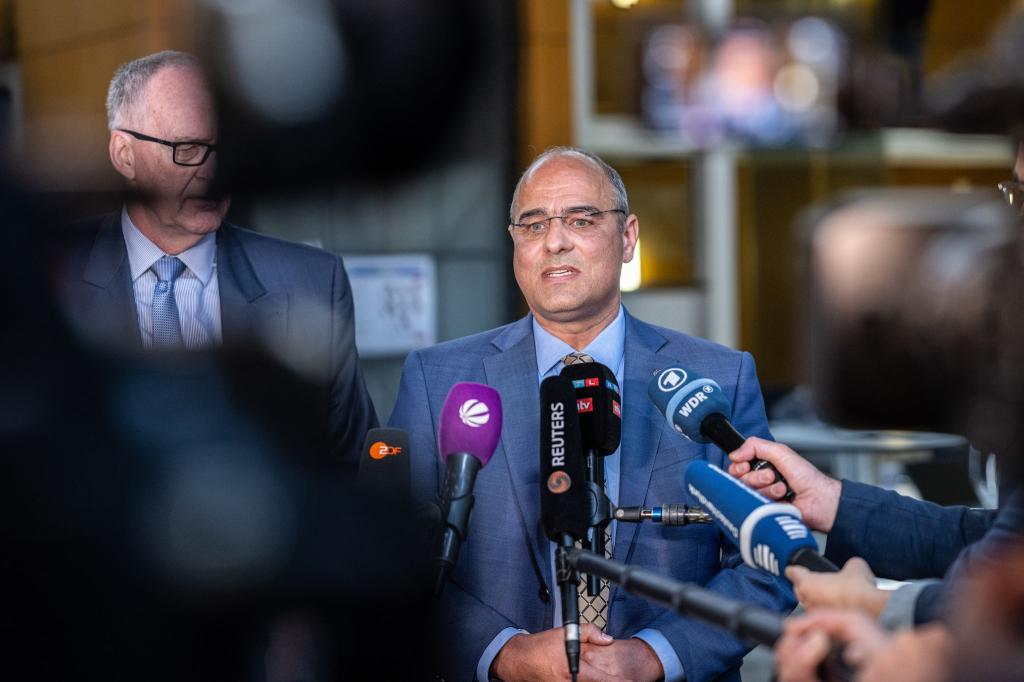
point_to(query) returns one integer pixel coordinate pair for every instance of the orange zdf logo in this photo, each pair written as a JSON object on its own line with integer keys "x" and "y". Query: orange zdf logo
{"x": 380, "y": 450}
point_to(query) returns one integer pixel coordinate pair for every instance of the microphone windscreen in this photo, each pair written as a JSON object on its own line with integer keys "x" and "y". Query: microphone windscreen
{"x": 384, "y": 462}
{"x": 563, "y": 493}
{"x": 470, "y": 421}
{"x": 686, "y": 399}
{"x": 767, "y": 533}
{"x": 598, "y": 403}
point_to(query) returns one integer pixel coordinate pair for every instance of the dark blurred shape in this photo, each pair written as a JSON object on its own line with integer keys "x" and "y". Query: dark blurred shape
{"x": 915, "y": 316}
{"x": 984, "y": 92}
{"x": 319, "y": 91}
{"x": 164, "y": 519}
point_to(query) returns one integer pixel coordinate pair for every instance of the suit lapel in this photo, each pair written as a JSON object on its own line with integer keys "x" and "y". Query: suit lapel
{"x": 248, "y": 311}
{"x": 514, "y": 373}
{"x": 641, "y": 427}
{"x": 110, "y": 300}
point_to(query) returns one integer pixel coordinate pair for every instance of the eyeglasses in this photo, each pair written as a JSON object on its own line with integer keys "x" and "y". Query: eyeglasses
{"x": 1013, "y": 192}
{"x": 578, "y": 222}
{"x": 186, "y": 153}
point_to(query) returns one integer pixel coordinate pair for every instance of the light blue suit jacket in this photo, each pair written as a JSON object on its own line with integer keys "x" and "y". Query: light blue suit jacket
{"x": 494, "y": 585}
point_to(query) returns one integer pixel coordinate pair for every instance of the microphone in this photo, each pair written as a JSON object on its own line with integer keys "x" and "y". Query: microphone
{"x": 770, "y": 535}
{"x": 563, "y": 497}
{"x": 468, "y": 433}
{"x": 666, "y": 514}
{"x": 697, "y": 408}
{"x": 599, "y": 404}
{"x": 384, "y": 463}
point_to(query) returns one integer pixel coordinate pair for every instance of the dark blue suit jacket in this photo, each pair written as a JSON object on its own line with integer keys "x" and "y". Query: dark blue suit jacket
{"x": 291, "y": 298}
{"x": 906, "y": 539}
{"x": 494, "y": 585}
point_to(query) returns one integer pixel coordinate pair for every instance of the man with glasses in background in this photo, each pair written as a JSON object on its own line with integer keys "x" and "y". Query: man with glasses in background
{"x": 168, "y": 272}
{"x": 571, "y": 231}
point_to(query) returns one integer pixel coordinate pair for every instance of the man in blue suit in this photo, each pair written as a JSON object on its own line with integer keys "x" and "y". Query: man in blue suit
{"x": 572, "y": 230}
{"x": 168, "y": 272}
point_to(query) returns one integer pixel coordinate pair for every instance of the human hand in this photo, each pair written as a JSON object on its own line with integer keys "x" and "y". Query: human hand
{"x": 816, "y": 495}
{"x": 851, "y": 588}
{"x": 627, "y": 659}
{"x": 541, "y": 656}
{"x": 807, "y": 641}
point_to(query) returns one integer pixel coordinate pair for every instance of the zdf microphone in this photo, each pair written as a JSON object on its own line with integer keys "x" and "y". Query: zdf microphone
{"x": 468, "y": 433}
{"x": 697, "y": 408}
{"x": 770, "y": 535}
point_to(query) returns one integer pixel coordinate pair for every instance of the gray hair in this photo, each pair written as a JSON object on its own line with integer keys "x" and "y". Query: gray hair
{"x": 130, "y": 80}
{"x": 618, "y": 188}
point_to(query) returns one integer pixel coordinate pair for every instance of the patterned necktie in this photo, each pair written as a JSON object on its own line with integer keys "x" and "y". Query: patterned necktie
{"x": 592, "y": 609}
{"x": 166, "y": 325}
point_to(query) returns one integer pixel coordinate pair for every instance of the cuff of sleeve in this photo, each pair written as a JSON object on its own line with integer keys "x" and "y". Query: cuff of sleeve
{"x": 670, "y": 662}
{"x": 487, "y": 657}
{"x": 898, "y": 613}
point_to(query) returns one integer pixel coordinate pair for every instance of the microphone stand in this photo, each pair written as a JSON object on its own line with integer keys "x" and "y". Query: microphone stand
{"x": 566, "y": 576}
{"x": 600, "y": 513}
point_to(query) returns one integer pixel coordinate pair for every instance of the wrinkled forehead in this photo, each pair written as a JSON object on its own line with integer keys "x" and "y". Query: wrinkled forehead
{"x": 177, "y": 104}
{"x": 562, "y": 183}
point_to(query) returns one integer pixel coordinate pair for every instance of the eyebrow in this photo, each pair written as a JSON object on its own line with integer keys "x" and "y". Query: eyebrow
{"x": 572, "y": 209}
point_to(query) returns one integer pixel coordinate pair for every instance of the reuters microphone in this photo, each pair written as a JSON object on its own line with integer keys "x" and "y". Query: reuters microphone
{"x": 770, "y": 535}
{"x": 468, "y": 433}
{"x": 697, "y": 408}
{"x": 563, "y": 497}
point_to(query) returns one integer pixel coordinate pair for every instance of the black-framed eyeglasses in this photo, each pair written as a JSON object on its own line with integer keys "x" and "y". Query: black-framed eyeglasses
{"x": 184, "y": 153}
{"x": 578, "y": 222}
{"x": 1013, "y": 192}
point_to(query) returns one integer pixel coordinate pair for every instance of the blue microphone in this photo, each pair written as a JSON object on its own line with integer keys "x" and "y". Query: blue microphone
{"x": 770, "y": 535}
{"x": 697, "y": 408}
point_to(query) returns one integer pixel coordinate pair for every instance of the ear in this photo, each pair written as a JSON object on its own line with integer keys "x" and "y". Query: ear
{"x": 629, "y": 236}
{"x": 122, "y": 154}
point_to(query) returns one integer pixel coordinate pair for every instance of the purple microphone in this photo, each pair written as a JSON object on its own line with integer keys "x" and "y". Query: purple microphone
{"x": 466, "y": 436}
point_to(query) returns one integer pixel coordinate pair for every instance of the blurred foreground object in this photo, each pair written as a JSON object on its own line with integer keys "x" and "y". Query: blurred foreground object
{"x": 915, "y": 319}
{"x": 320, "y": 90}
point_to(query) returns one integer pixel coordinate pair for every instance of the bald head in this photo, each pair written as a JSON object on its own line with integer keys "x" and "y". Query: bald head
{"x": 128, "y": 86}
{"x": 617, "y": 188}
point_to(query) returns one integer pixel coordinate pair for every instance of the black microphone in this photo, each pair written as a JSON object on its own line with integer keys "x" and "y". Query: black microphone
{"x": 697, "y": 408}
{"x": 563, "y": 497}
{"x": 470, "y": 426}
{"x": 384, "y": 463}
{"x": 599, "y": 403}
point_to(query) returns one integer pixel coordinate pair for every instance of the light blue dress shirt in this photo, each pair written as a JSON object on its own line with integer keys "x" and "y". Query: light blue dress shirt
{"x": 196, "y": 291}
{"x": 609, "y": 350}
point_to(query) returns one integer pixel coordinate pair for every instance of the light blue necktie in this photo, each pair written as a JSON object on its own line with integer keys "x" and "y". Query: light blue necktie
{"x": 166, "y": 325}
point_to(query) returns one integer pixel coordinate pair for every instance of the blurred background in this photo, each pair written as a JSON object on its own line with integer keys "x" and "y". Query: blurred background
{"x": 726, "y": 119}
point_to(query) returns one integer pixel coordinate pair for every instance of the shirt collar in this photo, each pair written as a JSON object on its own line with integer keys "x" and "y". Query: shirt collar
{"x": 142, "y": 252}
{"x": 608, "y": 348}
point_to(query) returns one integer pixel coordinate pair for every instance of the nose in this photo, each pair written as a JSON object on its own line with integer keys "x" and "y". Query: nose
{"x": 557, "y": 238}
{"x": 208, "y": 170}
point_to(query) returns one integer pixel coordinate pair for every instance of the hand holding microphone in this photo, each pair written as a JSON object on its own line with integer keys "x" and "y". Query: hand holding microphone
{"x": 815, "y": 494}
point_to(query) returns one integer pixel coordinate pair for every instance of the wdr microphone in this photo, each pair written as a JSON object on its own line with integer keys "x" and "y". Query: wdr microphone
{"x": 770, "y": 535}
{"x": 384, "y": 462}
{"x": 563, "y": 497}
{"x": 697, "y": 408}
{"x": 467, "y": 436}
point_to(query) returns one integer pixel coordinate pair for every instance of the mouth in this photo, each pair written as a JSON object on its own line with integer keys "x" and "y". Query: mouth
{"x": 559, "y": 272}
